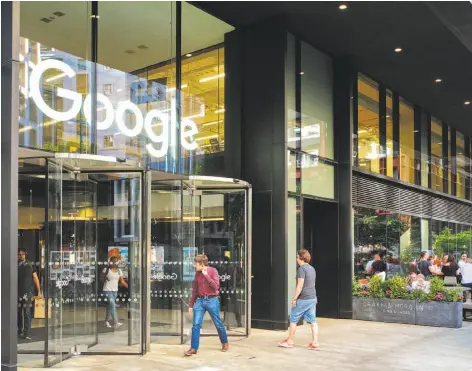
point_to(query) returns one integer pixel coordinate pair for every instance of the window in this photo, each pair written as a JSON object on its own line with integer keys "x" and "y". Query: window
{"x": 389, "y": 120}
{"x": 293, "y": 172}
{"x": 41, "y": 42}
{"x": 449, "y": 162}
{"x": 461, "y": 173}
{"x": 436, "y": 155}
{"x": 407, "y": 142}
{"x": 316, "y": 102}
{"x": 317, "y": 177}
{"x": 108, "y": 89}
{"x": 368, "y": 124}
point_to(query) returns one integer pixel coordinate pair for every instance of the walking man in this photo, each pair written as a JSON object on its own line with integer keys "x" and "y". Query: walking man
{"x": 304, "y": 301}
{"x": 205, "y": 299}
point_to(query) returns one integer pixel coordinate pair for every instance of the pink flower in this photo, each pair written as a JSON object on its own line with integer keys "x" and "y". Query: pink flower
{"x": 388, "y": 292}
{"x": 439, "y": 296}
{"x": 365, "y": 292}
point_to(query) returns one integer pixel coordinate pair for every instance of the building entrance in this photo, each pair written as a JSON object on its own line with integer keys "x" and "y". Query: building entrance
{"x": 80, "y": 215}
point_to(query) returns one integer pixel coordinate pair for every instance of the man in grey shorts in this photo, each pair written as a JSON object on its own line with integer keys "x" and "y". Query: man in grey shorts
{"x": 304, "y": 301}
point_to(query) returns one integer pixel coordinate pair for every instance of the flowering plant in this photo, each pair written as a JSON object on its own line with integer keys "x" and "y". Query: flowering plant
{"x": 396, "y": 288}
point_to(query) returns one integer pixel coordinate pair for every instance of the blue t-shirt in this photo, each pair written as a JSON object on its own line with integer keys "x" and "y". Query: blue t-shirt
{"x": 423, "y": 267}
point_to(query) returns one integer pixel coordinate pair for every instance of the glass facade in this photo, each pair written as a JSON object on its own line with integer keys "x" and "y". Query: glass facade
{"x": 419, "y": 148}
{"x": 97, "y": 93}
{"x": 311, "y": 158}
{"x": 118, "y": 108}
{"x": 400, "y": 238}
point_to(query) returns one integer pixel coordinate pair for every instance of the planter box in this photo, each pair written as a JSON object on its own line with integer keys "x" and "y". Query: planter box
{"x": 441, "y": 314}
{"x": 410, "y": 312}
{"x": 384, "y": 310}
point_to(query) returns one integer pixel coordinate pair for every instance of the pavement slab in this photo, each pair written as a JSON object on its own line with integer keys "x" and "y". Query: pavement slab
{"x": 345, "y": 345}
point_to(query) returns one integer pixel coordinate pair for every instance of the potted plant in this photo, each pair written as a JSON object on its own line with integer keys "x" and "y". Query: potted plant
{"x": 391, "y": 301}
{"x": 383, "y": 301}
{"x": 440, "y": 307}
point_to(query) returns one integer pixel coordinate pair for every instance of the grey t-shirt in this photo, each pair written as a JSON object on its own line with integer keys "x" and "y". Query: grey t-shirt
{"x": 308, "y": 273}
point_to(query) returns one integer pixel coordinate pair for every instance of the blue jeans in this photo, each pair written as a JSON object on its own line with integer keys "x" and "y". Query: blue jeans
{"x": 25, "y": 309}
{"x": 212, "y": 306}
{"x": 111, "y": 307}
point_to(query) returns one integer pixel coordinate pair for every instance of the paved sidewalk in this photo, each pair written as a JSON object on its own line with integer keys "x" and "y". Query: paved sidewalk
{"x": 345, "y": 345}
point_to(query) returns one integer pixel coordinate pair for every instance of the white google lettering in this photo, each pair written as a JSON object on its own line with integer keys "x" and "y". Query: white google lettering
{"x": 225, "y": 277}
{"x": 62, "y": 283}
{"x": 164, "y": 277}
{"x": 188, "y": 127}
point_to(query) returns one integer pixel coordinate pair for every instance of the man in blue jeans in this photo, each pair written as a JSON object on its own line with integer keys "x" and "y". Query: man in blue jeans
{"x": 205, "y": 299}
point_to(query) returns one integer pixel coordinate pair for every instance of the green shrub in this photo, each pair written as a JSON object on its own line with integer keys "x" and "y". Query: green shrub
{"x": 377, "y": 288}
{"x": 396, "y": 287}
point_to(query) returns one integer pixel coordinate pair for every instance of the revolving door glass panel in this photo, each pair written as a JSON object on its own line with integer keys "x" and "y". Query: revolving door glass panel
{"x": 90, "y": 217}
{"x": 193, "y": 217}
{"x": 71, "y": 254}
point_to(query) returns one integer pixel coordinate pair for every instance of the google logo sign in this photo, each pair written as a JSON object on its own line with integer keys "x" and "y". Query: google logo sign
{"x": 188, "y": 127}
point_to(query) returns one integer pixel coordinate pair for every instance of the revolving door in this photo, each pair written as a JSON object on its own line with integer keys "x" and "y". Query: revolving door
{"x": 198, "y": 215}
{"x": 77, "y": 212}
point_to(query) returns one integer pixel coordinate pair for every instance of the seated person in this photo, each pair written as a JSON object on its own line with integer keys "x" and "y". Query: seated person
{"x": 466, "y": 272}
{"x": 421, "y": 284}
{"x": 411, "y": 280}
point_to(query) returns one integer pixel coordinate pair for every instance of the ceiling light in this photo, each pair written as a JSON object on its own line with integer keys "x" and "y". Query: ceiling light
{"x": 467, "y": 103}
{"x": 212, "y": 77}
{"x": 172, "y": 89}
{"x": 188, "y": 54}
{"x": 212, "y": 123}
{"x": 343, "y": 7}
{"x": 437, "y": 81}
{"x": 208, "y": 137}
{"x": 398, "y": 50}
{"x": 362, "y": 131}
{"x": 60, "y": 76}
{"x": 302, "y": 73}
{"x": 220, "y": 111}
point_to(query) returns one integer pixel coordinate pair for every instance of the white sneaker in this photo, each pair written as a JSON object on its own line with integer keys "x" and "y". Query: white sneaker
{"x": 107, "y": 324}
{"x": 118, "y": 324}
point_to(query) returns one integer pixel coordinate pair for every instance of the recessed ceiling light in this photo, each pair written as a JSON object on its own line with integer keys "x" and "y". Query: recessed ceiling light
{"x": 398, "y": 50}
{"x": 343, "y": 6}
{"x": 188, "y": 55}
{"x": 438, "y": 81}
{"x": 467, "y": 103}
{"x": 302, "y": 73}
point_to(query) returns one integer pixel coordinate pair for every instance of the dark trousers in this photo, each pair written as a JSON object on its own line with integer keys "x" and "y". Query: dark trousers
{"x": 25, "y": 313}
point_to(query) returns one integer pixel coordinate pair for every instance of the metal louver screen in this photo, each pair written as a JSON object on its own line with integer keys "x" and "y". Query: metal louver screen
{"x": 383, "y": 195}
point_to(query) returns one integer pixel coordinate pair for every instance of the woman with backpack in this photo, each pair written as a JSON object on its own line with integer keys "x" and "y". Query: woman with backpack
{"x": 110, "y": 277}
